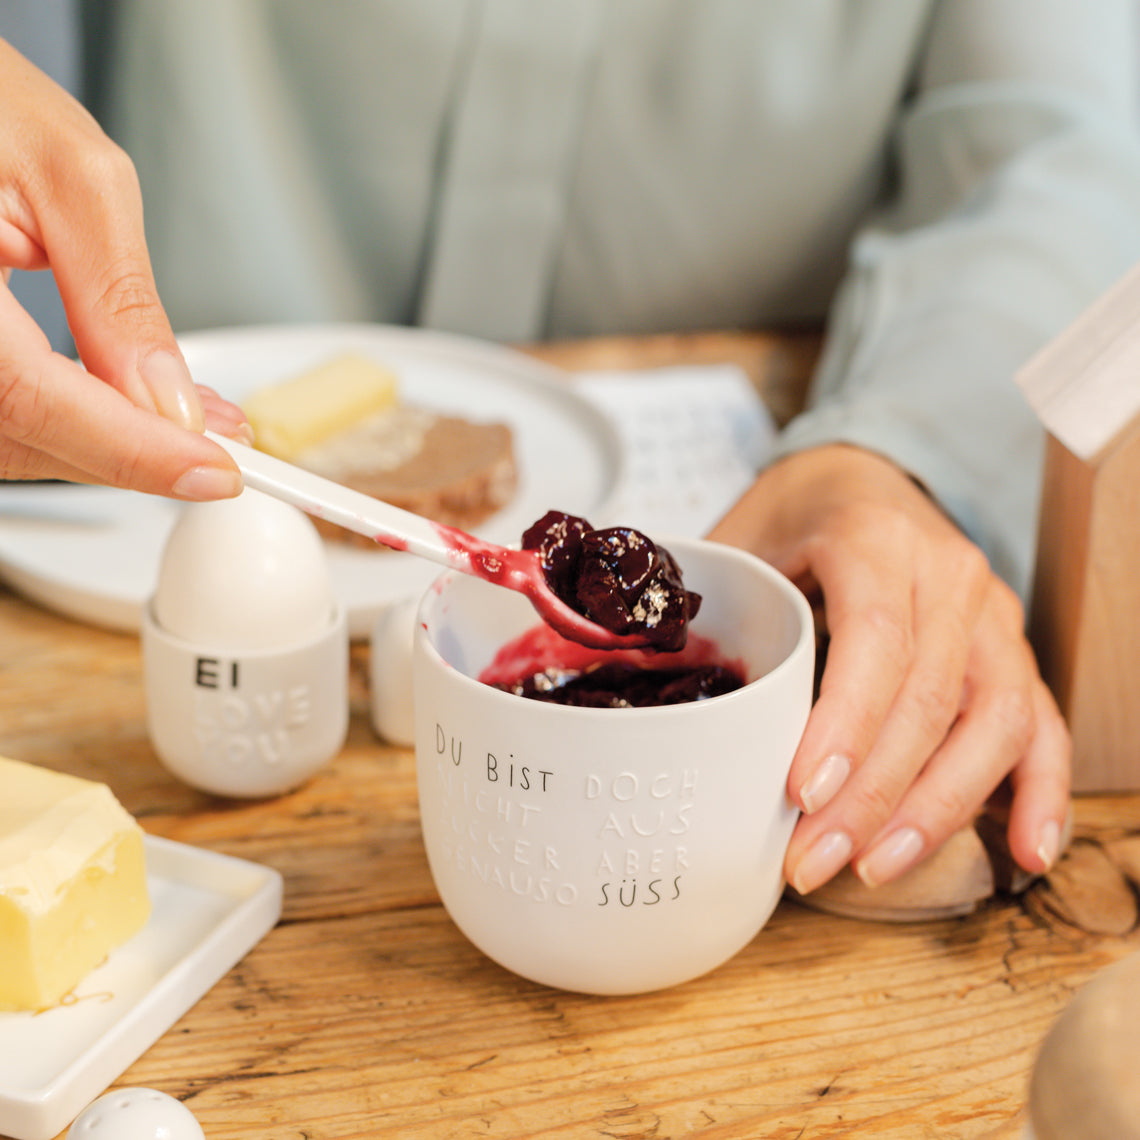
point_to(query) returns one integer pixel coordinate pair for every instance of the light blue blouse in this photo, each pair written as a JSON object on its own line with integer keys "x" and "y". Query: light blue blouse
{"x": 953, "y": 181}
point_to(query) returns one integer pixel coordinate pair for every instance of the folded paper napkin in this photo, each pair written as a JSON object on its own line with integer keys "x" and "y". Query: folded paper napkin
{"x": 694, "y": 436}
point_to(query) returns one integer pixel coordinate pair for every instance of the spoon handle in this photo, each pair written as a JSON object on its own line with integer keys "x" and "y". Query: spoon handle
{"x": 324, "y": 499}
{"x": 392, "y": 526}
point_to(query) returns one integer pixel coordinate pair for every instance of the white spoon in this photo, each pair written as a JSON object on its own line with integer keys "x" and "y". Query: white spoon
{"x": 401, "y": 530}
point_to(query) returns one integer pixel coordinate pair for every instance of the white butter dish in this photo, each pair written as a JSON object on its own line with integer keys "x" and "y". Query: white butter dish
{"x": 208, "y": 911}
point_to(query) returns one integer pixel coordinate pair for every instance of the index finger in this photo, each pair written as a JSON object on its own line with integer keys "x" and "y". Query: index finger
{"x": 870, "y": 621}
{"x": 902, "y": 691}
{"x": 86, "y": 210}
{"x": 57, "y": 420}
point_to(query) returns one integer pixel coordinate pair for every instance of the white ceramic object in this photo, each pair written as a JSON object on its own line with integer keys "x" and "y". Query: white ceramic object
{"x": 136, "y": 1114}
{"x": 612, "y": 850}
{"x": 390, "y": 691}
{"x": 245, "y": 650}
{"x": 208, "y": 911}
{"x": 241, "y": 572}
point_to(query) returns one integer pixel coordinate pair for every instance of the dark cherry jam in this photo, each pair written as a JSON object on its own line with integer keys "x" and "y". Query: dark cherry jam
{"x": 542, "y": 665}
{"x": 616, "y": 577}
{"x": 617, "y": 685}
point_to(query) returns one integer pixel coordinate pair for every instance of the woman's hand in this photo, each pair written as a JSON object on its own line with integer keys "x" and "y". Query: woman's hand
{"x": 930, "y": 697}
{"x": 70, "y": 201}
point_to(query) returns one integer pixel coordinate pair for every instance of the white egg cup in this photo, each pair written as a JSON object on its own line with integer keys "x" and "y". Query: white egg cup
{"x": 248, "y": 723}
{"x": 612, "y": 850}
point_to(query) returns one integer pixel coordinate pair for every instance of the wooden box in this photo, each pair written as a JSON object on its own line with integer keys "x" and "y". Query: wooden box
{"x": 1085, "y": 610}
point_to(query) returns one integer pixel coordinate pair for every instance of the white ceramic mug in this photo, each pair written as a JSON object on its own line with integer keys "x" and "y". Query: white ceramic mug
{"x": 612, "y": 850}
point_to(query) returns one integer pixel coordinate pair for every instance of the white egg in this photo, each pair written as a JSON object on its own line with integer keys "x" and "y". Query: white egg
{"x": 243, "y": 574}
{"x": 136, "y": 1114}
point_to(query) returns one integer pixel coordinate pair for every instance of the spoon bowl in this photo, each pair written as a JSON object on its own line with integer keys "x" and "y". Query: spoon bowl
{"x": 390, "y": 526}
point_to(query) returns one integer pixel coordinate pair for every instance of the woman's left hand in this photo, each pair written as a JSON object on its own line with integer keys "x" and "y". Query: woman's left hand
{"x": 930, "y": 697}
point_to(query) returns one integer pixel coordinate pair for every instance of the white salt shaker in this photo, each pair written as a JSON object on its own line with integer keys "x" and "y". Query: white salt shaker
{"x": 390, "y": 673}
{"x": 136, "y": 1114}
{"x": 245, "y": 649}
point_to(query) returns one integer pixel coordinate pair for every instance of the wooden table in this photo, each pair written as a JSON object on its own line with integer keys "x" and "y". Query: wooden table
{"x": 365, "y": 1013}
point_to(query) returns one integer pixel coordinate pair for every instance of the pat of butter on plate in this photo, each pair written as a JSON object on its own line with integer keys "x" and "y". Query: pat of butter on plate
{"x": 72, "y": 882}
{"x": 303, "y": 411}
{"x": 204, "y": 912}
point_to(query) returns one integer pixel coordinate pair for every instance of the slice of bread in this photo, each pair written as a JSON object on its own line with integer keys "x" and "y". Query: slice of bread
{"x": 449, "y": 469}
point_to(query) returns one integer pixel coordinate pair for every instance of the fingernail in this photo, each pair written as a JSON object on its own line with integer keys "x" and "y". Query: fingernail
{"x": 1049, "y": 844}
{"x": 827, "y": 779}
{"x": 169, "y": 382}
{"x": 889, "y": 858}
{"x": 823, "y": 859}
{"x": 200, "y": 484}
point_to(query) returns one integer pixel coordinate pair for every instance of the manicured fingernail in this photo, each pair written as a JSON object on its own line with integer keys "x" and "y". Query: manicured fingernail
{"x": 200, "y": 484}
{"x": 1049, "y": 844}
{"x": 827, "y": 779}
{"x": 823, "y": 859}
{"x": 891, "y": 857}
{"x": 169, "y": 382}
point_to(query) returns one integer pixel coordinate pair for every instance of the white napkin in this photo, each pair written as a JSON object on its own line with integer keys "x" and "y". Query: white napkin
{"x": 694, "y": 437}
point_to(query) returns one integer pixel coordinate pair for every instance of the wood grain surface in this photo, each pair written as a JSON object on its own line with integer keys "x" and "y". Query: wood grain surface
{"x": 365, "y": 1013}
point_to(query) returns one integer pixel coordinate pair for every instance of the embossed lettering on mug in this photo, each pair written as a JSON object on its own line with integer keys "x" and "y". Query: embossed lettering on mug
{"x": 483, "y": 817}
{"x": 240, "y": 726}
{"x": 630, "y": 873}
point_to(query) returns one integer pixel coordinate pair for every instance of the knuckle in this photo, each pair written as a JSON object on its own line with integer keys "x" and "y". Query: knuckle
{"x": 125, "y": 472}
{"x": 1007, "y": 605}
{"x": 891, "y": 528}
{"x": 893, "y": 636}
{"x": 970, "y": 569}
{"x": 1013, "y": 710}
{"x": 102, "y": 172}
{"x": 127, "y": 292}
{"x": 933, "y": 706}
{"x": 121, "y": 465}
{"x": 1051, "y": 721}
{"x": 949, "y": 808}
{"x": 871, "y": 805}
{"x": 969, "y": 563}
{"x": 23, "y": 409}
{"x": 96, "y": 162}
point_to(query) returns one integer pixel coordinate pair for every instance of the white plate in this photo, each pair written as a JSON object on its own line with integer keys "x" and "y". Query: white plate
{"x": 93, "y": 553}
{"x": 208, "y": 911}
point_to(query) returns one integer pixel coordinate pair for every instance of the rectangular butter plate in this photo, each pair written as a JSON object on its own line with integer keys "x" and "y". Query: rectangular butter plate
{"x": 208, "y": 911}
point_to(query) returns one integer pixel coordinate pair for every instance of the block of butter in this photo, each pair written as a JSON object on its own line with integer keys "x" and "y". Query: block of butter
{"x": 72, "y": 882}
{"x": 306, "y": 410}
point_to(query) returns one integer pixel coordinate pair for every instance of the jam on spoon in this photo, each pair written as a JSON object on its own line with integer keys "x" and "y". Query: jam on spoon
{"x": 616, "y": 577}
{"x": 620, "y": 580}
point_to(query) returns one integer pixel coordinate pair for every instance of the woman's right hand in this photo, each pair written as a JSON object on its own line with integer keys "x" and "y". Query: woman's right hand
{"x": 130, "y": 415}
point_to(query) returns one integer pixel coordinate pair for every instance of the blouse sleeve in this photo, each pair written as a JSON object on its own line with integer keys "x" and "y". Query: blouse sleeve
{"x": 1017, "y": 204}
